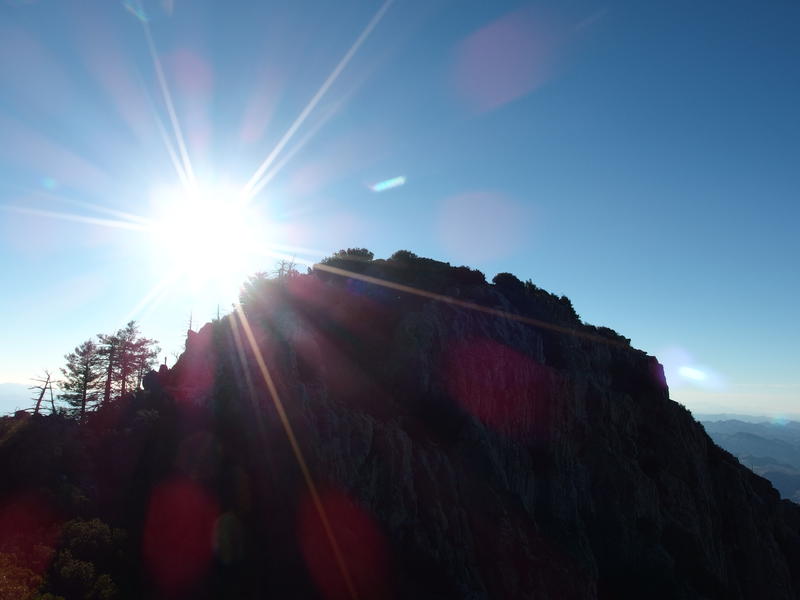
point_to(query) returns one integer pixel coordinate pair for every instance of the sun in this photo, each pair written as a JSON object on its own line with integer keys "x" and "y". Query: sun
{"x": 207, "y": 234}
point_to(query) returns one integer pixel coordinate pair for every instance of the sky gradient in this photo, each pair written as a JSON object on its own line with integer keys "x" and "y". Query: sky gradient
{"x": 641, "y": 158}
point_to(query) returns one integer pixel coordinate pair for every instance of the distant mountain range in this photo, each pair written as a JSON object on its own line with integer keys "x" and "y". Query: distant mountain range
{"x": 702, "y": 417}
{"x": 14, "y": 396}
{"x": 770, "y": 448}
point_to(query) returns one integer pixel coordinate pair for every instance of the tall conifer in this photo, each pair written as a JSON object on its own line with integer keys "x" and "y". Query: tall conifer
{"x": 82, "y": 378}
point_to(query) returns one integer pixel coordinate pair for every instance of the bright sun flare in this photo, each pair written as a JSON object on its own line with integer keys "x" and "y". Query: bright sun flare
{"x": 206, "y": 234}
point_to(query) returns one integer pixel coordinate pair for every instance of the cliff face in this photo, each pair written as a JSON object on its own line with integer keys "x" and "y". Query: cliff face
{"x": 458, "y": 453}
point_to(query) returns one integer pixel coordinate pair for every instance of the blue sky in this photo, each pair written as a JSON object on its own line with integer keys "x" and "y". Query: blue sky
{"x": 639, "y": 157}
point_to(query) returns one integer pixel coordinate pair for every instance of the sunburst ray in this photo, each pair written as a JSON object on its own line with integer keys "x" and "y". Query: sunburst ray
{"x": 51, "y": 214}
{"x": 173, "y": 117}
{"x": 253, "y": 183}
{"x": 298, "y": 453}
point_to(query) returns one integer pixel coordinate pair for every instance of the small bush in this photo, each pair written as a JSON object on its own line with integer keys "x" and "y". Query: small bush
{"x": 508, "y": 282}
{"x": 351, "y": 254}
{"x": 405, "y": 256}
{"x": 467, "y": 276}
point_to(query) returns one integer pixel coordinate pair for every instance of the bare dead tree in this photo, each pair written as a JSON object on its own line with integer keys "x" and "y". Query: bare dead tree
{"x": 52, "y": 401}
{"x": 285, "y": 268}
{"x": 45, "y": 384}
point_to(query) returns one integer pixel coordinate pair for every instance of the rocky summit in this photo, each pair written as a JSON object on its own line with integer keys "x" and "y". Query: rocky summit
{"x": 401, "y": 429}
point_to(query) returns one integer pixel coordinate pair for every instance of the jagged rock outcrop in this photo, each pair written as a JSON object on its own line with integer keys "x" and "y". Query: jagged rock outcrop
{"x": 462, "y": 454}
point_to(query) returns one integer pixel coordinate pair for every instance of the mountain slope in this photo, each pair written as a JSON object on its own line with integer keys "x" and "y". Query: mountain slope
{"x": 480, "y": 442}
{"x": 771, "y": 449}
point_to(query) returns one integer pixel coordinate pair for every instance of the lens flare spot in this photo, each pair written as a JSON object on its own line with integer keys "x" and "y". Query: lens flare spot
{"x": 692, "y": 373}
{"x": 388, "y": 184}
{"x": 506, "y": 59}
{"x": 29, "y": 530}
{"x": 360, "y": 542}
{"x": 136, "y": 9}
{"x": 178, "y": 542}
{"x": 49, "y": 183}
{"x": 505, "y": 389}
{"x": 681, "y": 369}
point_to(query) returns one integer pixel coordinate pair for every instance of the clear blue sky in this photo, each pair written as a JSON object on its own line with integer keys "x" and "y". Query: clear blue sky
{"x": 642, "y": 158}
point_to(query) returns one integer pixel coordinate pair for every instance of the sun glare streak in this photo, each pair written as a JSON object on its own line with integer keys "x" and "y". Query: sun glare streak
{"x": 73, "y": 217}
{"x": 270, "y": 175}
{"x": 254, "y": 180}
{"x": 50, "y": 184}
{"x": 298, "y": 453}
{"x": 173, "y": 155}
{"x": 288, "y": 257}
{"x": 126, "y": 216}
{"x": 152, "y": 297}
{"x": 298, "y": 249}
{"x": 240, "y": 351}
{"x": 31, "y": 150}
{"x": 162, "y": 81}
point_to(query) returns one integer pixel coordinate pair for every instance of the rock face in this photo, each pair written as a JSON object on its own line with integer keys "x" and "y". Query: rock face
{"x": 458, "y": 453}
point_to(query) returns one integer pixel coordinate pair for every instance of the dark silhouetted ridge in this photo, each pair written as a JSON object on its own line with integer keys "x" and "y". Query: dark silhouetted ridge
{"x": 465, "y": 439}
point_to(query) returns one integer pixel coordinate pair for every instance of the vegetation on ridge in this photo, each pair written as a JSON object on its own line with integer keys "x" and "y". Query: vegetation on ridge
{"x": 525, "y": 298}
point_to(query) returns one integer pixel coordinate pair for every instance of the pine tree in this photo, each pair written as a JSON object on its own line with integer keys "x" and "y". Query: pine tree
{"x": 82, "y": 377}
{"x": 145, "y": 356}
{"x": 135, "y": 355}
{"x": 125, "y": 357}
{"x": 108, "y": 351}
{"x": 45, "y": 383}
